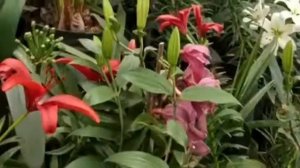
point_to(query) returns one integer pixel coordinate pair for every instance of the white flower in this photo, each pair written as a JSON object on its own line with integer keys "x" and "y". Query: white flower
{"x": 278, "y": 30}
{"x": 294, "y": 7}
{"x": 257, "y": 15}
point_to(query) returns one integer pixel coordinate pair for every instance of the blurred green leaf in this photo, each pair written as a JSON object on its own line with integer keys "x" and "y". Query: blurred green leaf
{"x": 90, "y": 45}
{"x": 96, "y": 132}
{"x": 177, "y": 132}
{"x": 63, "y": 150}
{"x": 249, "y": 107}
{"x": 10, "y": 13}
{"x": 247, "y": 163}
{"x": 148, "y": 80}
{"x": 210, "y": 94}
{"x": 85, "y": 161}
{"x": 77, "y": 53}
{"x": 99, "y": 94}
{"x": 2, "y": 121}
{"x": 128, "y": 63}
{"x": 8, "y": 154}
{"x": 30, "y": 130}
{"x": 135, "y": 159}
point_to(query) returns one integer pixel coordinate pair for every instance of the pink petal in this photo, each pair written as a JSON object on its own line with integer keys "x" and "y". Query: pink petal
{"x": 194, "y": 53}
{"x": 199, "y": 148}
{"x": 73, "y": 103}
{"x": 132, "y": 44}
{"x": 49, "y": 114}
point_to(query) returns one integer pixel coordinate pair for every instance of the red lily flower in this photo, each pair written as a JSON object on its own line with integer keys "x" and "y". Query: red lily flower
{"x": 89, "y": 73}
{"x": 180, "y": 20}
{"x": 204, "y": 28}
{"x": 10, "y": 69}
{"x": 36, "y": 99}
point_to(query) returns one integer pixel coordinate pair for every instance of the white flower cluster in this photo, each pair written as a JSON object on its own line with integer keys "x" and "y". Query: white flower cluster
{"x": 274, "y": 24}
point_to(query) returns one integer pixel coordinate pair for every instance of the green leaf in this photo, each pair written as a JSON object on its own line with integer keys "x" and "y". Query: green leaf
{"x": 228, "y": 114}
{"x": 177, "y": 132}
{"x": 10, "y": 13}
{"x": 63, "y": 150}
{"x": 107, "y": 43}
{"x": 210, "y": 94}
{"x": 99, "y": 94}
{"x": 174, "y": 48}
{"x": 30, "y": 130}
{"x": 8, "y": 154}
{"x": 249, "y": 107}
{"x": 96, "y": 132}
{"x": 90, "y": 45}
{"x": 288, "y": 58}
{"x": 75, "y": 52}
{"x": 142, "y": 13}
{"x": 128, "y": 63}
{"x": 247, "y": 163}
{"x": 2, "y": 121}
{"x": 265, "y": 124}
{"x": 278, "y": 79}
{"x": 148, "y": 80}
{"x": 135, "y": 159}
{"x": 85, "y": 161}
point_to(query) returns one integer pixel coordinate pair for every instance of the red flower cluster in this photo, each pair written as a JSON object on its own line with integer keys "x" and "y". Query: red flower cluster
{"x": 181, "y": 21}
{"x": 13, "y": 72}
{"x": 192, "y": 115}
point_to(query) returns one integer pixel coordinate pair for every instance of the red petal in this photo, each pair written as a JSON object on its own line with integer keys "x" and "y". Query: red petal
{"x": 198, "y": 16}
{"x": 64, "y": 60}
{"x": 18, "y": 66}
{"x": 73, "y": 103}
{"x": 49, "y": 113}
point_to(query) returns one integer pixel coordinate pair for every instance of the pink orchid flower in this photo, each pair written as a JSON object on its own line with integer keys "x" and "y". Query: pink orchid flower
{"x": 180, "y": 20}
{"x": 196, "y": 54}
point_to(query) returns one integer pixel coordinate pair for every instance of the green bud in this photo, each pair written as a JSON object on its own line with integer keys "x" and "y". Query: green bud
{"x": 288, "y": 58}
{"x": 174, "y": 48}
{"x": 107, "y": 43}
{"x": 142, "y": 11}
{"x": 108, "y": 10}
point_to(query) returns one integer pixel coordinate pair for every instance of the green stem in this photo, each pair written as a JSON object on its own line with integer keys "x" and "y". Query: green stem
{"x": 118, "y": 101}
{"x": 13, "y": 126}
{"x": 142, "y": 51}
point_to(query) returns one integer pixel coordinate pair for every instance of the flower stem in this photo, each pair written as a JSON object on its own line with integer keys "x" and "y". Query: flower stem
{"x": 142, "y": 51}
{"x": 13, "y": 126}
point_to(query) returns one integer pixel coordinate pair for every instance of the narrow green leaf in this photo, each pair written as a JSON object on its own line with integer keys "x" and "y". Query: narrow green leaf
{"x": 99, "y": 94}
{"x": 135, "y": 159}
{"x": 210, "y": 94}
{"x": 247, "y": 163}
{"x": 265, "y": 124}
{"x": 288, "y": 58}
{"x": 278, "y": 79}
{"x": 142, "y": 13}
{"x": 63, "y": 150}
{"x": 148, "y": 80}
{"x": 249, "y": 107}
{"x": 76, "y": 52}
{"x": 2, "y": 121}
{"x": 177, "y": 132}
{"x": 8, "y": 154}
{"x": 174, "y": 48}
{"x": 96, "y": 132}
{"x": 85, "y": 161}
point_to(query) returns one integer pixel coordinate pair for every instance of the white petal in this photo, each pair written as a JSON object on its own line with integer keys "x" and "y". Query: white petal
{"x": 246, "y": 20}
{"x": 266, "y": 39}
{"x": 267, "y": 25}
{"x": 288, "y": 29}
{"x": 277, "y": 21}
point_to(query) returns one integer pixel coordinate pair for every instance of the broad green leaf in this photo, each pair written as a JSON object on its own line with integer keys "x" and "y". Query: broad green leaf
{"x": 128, "y": 63}
{"x": 85, "y": 161}
{"x": 63, "y": 150}
{"x": 142, "y": 11}
{"x": 177, "y": 132}
{"x": 247, "y": 163}
{"x": 97, "y": 132}
{"x": 174, "y": 48}
{"x": 90, "y": 45}
{"x": 8, "y": 154}
{"x": 10, "y": 13}
{"x": 148, "y": 80}
{"x": 107, "y": 43}
{"x": 210, "y": 94}
{"x": 99, "y": 94}
{"x": 135, "y": 159}
{"x": 249, "y": 107}
{"x": 288, "y": 58}
{"x": 30, "y": 131}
